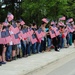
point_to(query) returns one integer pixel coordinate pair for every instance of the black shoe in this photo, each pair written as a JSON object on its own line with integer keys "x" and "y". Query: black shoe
{"x": 9, "y": 60}
{"x": 0, "y": 63}
{"x": 14, "y": 58}
{"x": 57, "y": 50}
{"x": 18, "y": 56}
{"x": 29, "y": 54}
{"x": 3, "y": 62}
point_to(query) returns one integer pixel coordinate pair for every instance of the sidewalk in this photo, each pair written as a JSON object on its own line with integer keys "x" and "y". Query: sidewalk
{"x": 25, "y": 65}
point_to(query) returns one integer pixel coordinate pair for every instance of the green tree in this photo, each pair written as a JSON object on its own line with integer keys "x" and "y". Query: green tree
{"x": 71, "y": 8}
{"x": 37, "y": 9}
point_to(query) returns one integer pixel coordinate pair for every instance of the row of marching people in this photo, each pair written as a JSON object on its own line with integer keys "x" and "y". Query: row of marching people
{"x": 19, "y": 40}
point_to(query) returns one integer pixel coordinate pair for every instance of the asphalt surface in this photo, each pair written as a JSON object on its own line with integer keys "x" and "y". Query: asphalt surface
{"x": 37, "y": 62}
{"x": 66, "y": 69}
{"x": 64, "y": 66}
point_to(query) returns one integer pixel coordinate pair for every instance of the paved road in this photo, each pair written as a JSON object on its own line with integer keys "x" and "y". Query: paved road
{"x": 66, "y": 69}
{"x": 41, "y": 64}
{"x": 65, "y": 66}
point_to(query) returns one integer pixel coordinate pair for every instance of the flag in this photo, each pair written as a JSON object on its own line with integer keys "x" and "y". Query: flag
{"x": 7, "y": 37}
{"x": 3, "y": 34}
{"x": 56, "y": 31}
{"x": 54, "y": 27}
{"x": 52, "y": 22}
{"x": 10, "y": 16}
{"x": 70, "y": 20}
{"x": 13, "y": 22}
{"x": 43, "y": 34}
{"x": 30, "y": 31}
{"x": 52, "y": 33}
{"x": 38, "y": 33}
{"x": 27, "y": 32}
{"x": 61, "y": 24}
{"x": 67, "y": 22}
{"x": 14, "y": 25}
{"x": 15, "y": 39}
{"x": 14, "y": 28}
{"x": 45, "y": 20}
{"x": 71, "y": 29}
{"x": 22, "y": 22}
{"x": 5, "y": 23}
{"x": 65, "y": 32}
{"x": 33, "y": 39}
{"x": 20, "y": 35}
{"x": 2, "y": 39}
{"x": 24, "y": 33}
{"x": 62, "y": 18}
